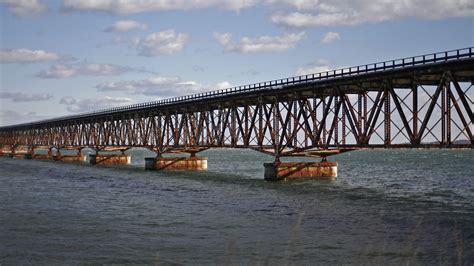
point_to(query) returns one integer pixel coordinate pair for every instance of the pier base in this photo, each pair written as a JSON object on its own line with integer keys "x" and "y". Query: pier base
{"x": 7, "y": 154}
{"x": 69, "y": 158}
{"x": 122, "y": 159}
{"x": 19, "y": 155}
{"x": 176, "y": 163}
{"x": 42, "y": 156}
{"x": 300, "y": 170}
{"x": 7, "y": 151}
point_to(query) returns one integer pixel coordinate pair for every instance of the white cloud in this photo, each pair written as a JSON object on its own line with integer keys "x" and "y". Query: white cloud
{"x": 139, "y": 6}
{"x": 297, "y": 19}
{"x": 299, "y": 4}
{"x": 163, "y": 42}
{"x": 157, "y": 86}
{"x": 223, "y": 38}
{"x": 26, "y": 56}
{"x": 13, "y": 117}
{"x": 125, "y": 25}
{"x": 321, "y": 65}
{"x": 24, "y": 8}
{"x": 85, "y": 105}
{"x": 161, "y": 86}
{"x": 83, "y": 69}
{"x": 261, "y": 43}
{"x": 138, "y": 86}
{"x": 224, "y": 85}
{"x": 317, "y": 13}
{"x": 22, "y": 97}
{"x": 330, "y": 37}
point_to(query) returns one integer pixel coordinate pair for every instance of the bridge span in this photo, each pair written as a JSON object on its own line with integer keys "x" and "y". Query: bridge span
{"x": 416, "y": 102}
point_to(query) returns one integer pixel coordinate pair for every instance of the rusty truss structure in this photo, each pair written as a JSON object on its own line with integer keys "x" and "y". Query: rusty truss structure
{"x": 416, "y": 102}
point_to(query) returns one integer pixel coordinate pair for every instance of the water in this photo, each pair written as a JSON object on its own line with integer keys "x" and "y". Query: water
{"x": 386, "y": 207}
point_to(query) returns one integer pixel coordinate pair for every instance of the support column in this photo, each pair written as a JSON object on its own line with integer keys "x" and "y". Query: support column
{"x": 443, "y": 115}
{"x": 387, "y": 119}
{"x": 11, "y": 154}
{"x": 415, "y": 111}
{"x": 323, "y": 170}
{"x": 29, "y": 154}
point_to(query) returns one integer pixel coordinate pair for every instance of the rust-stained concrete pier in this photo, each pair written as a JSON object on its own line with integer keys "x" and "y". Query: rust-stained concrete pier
{"x": 70, "y": 158}
{"x": 300, "y": 170}
{"x": 110, "y": 159}
{"x": 176, "y": 163}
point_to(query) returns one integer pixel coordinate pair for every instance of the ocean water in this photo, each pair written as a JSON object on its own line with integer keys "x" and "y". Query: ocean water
{"x": 386, "y": 207}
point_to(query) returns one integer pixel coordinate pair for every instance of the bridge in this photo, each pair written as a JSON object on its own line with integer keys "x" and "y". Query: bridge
{"x": 416, "y": 102}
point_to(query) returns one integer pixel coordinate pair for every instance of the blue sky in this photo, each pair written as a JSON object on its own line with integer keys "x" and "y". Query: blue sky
{"x": 63, "y": 57}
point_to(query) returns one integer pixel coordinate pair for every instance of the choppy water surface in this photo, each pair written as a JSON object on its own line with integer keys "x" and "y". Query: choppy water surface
{"x": 386, "y": 207}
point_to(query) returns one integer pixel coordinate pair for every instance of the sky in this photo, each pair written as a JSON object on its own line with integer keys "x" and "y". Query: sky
{"x": 71, "y": 56}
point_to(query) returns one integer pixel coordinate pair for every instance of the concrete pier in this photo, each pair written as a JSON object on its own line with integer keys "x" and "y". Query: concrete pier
{"x": 176, "y": 163}
{"x": 69, "y": 158}
{"x": 19, "y": 155}
{"x": 5, "y": 151}
{"x": 300, "y": 170}
{"x": 42, "y": 156}
{"x": 116, "y": 159}
{"x": 7, "y": 154}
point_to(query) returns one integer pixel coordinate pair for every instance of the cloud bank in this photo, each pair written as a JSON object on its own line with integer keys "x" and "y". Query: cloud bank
{"x": 259, "y": 44}
{"x": 321, "y": 13}
{"x": 162, "y": 42}
{"x": 23, "y": 97}
{"x": 330, "y": 37}
{"x": 26, "y": 56}
{"x": 24, "y": 8}
{"x": 75, "y": 105}
{"x": 13, "y": 117}
{"x": 139, "y": 6}
{"x": 126, "y": 25}
{"x": 59, "y": 71}
{"x": 320, "y": 65}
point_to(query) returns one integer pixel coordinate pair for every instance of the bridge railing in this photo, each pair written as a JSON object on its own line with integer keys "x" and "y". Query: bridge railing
{"x": 280, "y": 83}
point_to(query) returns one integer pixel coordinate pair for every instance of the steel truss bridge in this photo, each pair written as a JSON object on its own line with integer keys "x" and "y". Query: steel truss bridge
{"x": 417, "y": 102}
